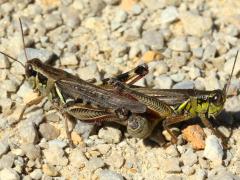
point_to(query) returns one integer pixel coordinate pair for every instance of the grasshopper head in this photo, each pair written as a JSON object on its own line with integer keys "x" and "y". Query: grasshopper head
{"x": 216, "y": 102}
{"x": 218, "y": 97}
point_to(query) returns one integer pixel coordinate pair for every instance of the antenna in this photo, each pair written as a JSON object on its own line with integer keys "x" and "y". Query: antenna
{"x": 23, "y": 41}
{"x": 12, "y": 58}
{"x": 226, "y": 87}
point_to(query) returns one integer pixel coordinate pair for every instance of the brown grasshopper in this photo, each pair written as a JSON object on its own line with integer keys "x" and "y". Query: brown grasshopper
{"x": 78, "y": 98}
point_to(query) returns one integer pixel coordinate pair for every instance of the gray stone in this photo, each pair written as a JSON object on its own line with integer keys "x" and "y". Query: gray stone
{"x": 200, "y": 174}
{"x": 69, "y": 59}
{"x": 9, "y": 174}
{"x": 194, "y": 73}
{"x": 194, "y": 24}
{"x": 36, "y": 174}
{"x": 110, "y": 134}
{"x": 4, "y": 147}
{"x": 161, "y": 68}
{"x": 132, "y": 34}
{"x": 89, "y": 72}
{"x": 169, "y": 15}
{"x": 213, "y": 150}
{"x": 52, "y": 21}
{"x": 136, "y": 9}
{"x": 120, "y": 16}
{"x": 95, "y": 163}
{"x": 229, "y": 65}
{"x": 4, "y": 62}
{"x": 115, "y": 160}
{"x": 194, "y": 42}
{"x": 179, "y": 44}
{"x": 172, "y": 165}
{"x": 7, "y": 161}
{"x": 178, "y": 77}
{"x": 110, "y": 175}
{"x": 58, "y": 143}
{"x": 163, "y": 82}
{"x": 197, "y": 52}
{"x": 48, "y": 131}
{"x": 9, "y": 85}
{"x": 103, "y": 148}
{"x": 26, "y": 92}
{"x": 154, "y": 39}
{"x": 172, "y": 151}
{"x": 55, "y": 156}
{"x": 119, "y": 49}
{"x": 188, "y": 170}
{"x": 77, "y": 158}
{"x": 184, "y": 85}
{"x": 28, "y": 133}
{"x": 209, "y": 52}
{"x": 189, "y": 158}
{"x": 31, "y": 151}
{"x": 84, "y": 129}
{"x": 41, "y": 54}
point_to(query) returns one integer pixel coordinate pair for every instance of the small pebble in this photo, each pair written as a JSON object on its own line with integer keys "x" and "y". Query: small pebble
{"x": 55, "y": 156}
{"x": 77, "y": 158}
{"x": 4, "y": 63}
{"x": 184, "y": 85}
{"x": 188, "y": 170}
{"x": 172, "y": 165}
{"x": 31, "y": 151}
{"x": 103, "y": 148}
{"x": 209, "y": 52}
{"x": 4, "y": 147}
{"x": 178, "y": 44}
{"x": 163, "y": 82}
{"x": 110, "y": 135}
{"x": 115, "y": 160}
{"x": 154, "y": 39}
{"x": 28, "y": 133}
{"x": 189, "y": 158}
{"x": 169, "y": 15}
{"x": 49, "y": 170}
{"x": 36, "y": 174}
{"x": 9, "y": 174}
{"x": 95, "y": 163}
{"x": 213, "y": 150}
{"x": 110, "y": 175}
{"x": 7, "y": 161}
{"x": 84, "y": 129}
{"x": 194, "y": 24}
{"x": 48, "y": 131}
{"x": 195, "y": 135}
{"x": 69, "y": 59}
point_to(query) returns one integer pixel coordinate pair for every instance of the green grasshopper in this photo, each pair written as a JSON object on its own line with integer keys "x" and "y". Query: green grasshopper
{"x": 185, "y": 103}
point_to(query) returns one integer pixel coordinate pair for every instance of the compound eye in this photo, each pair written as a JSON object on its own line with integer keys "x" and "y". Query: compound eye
{"x": 29, "y": 71}
{"x": 217, "y": 98}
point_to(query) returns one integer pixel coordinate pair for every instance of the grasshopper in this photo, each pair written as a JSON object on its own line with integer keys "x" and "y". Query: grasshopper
{"x": 185, "y": 103}
{"x": 76, "y": 97}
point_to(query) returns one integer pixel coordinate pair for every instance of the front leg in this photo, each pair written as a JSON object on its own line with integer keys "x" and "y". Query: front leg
{"x": 216, "y": 132}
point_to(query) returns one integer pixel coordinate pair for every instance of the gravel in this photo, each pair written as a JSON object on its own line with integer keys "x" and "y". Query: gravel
{"x": 186, "y": 44}
{"x": 213, "y": 150}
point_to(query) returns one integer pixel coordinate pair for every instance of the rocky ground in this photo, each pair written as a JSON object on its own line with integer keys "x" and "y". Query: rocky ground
{"x": 187, "y": 44}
